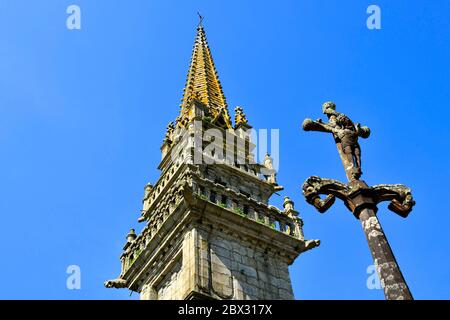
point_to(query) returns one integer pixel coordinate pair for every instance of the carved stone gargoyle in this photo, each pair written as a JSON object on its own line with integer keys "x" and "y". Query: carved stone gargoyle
{"x": 116, "y": 283}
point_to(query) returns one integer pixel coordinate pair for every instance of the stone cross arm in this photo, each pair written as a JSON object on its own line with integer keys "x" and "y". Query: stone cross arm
{"x": 357, "y": 195}
{"x": 319, "y": 125}
{"x": 399, "y": 195}
{"x": 345, "y": 133}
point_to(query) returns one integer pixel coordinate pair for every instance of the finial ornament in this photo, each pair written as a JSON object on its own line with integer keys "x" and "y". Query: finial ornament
{"x": 147, "y": 190}
{"x": 268, "y": 171}
{"x": 240, "y": 118}
{"x": 359, "y": 198}
{"x": 169, "y": 132}
{"x": 131, "y": 235}
{"x": 288, "y": 204}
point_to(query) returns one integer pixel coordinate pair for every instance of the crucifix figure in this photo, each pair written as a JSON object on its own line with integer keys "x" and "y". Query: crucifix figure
{"x": 345, "y": 134}
{"x": 359, "y": 198}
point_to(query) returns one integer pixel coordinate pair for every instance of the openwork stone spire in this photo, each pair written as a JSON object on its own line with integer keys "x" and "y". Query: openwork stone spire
{"x": 203, "y": 86}
{"x": 209, "y": 231}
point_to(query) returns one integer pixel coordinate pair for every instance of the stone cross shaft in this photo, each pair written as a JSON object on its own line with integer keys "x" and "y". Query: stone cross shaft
{"x": 359, "y": 198}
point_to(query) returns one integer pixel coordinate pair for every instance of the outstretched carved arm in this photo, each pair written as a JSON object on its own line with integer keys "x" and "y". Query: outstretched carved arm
{"x": 311, "y": 125}
{"x": 363, "y": 132}
{"x": 399, "y": 195}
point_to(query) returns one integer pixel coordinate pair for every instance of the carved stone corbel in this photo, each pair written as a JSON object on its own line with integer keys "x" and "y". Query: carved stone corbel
{"x": 400, "y": 196}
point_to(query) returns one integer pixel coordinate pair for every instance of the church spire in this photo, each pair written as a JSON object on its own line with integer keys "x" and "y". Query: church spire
{"x": 203, "y": 85}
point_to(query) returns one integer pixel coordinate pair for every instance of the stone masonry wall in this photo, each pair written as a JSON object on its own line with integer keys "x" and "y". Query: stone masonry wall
{"x": 217, "y": 264}
{"x": 178, "y": 280}
{"x": 233, "y": 269}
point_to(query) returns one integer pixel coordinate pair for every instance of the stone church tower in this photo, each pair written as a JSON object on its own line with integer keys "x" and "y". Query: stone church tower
{"x": 210, "y": 232}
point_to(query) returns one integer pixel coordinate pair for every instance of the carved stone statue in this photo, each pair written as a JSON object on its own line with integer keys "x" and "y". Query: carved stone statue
{"x": 345, "y": 134}
{"x": 269, "y": 172}
{"x": 147, "y": 190}
{"x": 359, "y": 198}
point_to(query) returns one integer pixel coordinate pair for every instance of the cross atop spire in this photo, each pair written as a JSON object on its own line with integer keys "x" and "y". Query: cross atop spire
{"x": 200, "y": 23}
{"x": 203, "y": 85}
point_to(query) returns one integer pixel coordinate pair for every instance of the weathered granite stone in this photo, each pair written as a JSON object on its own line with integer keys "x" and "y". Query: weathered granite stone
{"x": 209, "y": 229}
{"x": 359, "y": 198}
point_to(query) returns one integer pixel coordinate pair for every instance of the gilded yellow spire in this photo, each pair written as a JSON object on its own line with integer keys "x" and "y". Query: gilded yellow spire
{"x": 203, "y": 85}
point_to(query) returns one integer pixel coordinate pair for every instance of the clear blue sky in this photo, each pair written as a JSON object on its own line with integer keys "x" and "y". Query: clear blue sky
{"x": 83, "y": 114}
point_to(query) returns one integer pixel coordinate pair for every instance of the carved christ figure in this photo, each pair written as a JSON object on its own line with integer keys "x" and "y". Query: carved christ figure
{"x": 345, "y": 134}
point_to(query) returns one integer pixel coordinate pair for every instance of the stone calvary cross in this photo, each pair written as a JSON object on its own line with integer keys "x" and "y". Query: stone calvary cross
{"x": 359, "y": 198}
